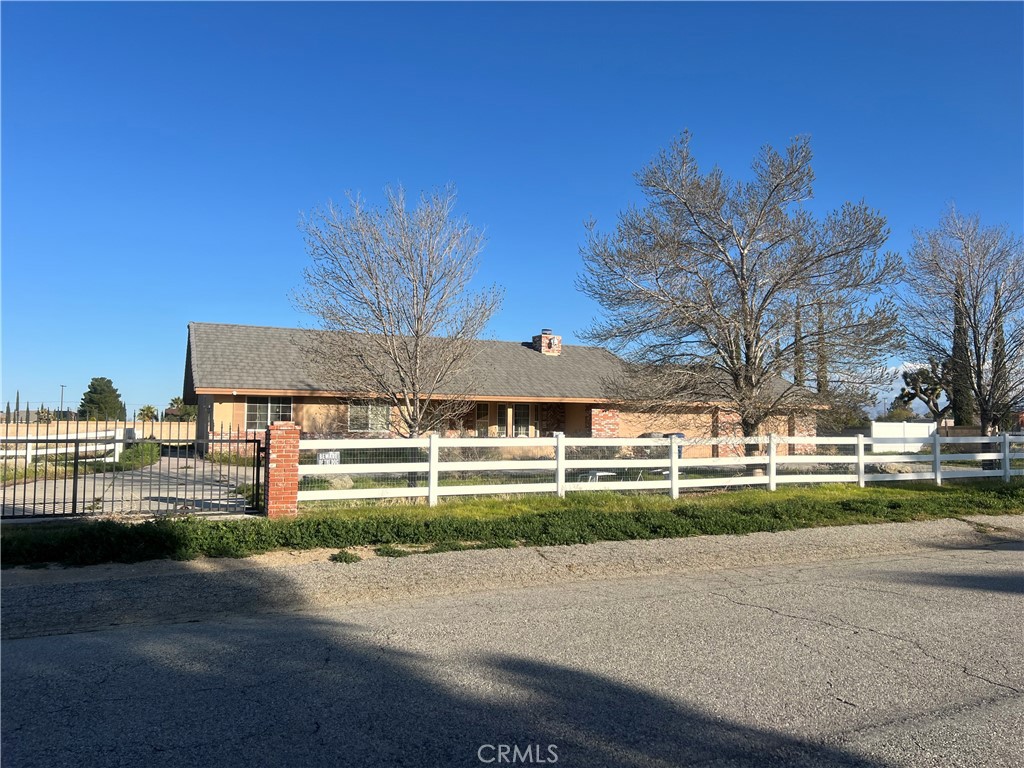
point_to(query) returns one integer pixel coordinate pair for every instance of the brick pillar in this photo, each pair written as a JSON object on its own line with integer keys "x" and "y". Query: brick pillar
{"x": 604, "y": 422}
{"x": 282, "y": 469}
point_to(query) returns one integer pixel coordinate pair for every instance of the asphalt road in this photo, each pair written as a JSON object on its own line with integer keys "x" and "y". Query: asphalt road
{"x": 912, "y": 657}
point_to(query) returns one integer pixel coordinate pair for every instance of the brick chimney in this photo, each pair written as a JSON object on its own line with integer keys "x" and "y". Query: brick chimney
{"x": 547, "y": 343}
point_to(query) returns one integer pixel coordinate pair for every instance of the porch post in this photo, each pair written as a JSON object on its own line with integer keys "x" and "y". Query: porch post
{"x": 673, "y": 466}
{"x": 560, "y": 463}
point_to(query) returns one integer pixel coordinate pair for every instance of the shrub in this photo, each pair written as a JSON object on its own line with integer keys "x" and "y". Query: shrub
{"x": 138, "y": 455}
{"x": 232, "y": 458}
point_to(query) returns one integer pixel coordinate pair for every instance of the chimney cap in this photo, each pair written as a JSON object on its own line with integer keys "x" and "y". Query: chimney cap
{"x": 546, "y": 331}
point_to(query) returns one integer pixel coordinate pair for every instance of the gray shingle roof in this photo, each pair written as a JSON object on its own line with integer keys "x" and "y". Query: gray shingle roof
{"x": 254, "y": 357}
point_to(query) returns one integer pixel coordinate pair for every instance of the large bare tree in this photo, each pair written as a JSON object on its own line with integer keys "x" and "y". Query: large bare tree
{"x": 391, "y": 288}
{"x": 965, "y": 305}
{"x": 727, "y": 292}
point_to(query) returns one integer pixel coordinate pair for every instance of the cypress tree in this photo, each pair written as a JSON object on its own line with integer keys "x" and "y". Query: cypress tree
{"x": 17, "y": 405}
{"x": 1000, "y": 376}
{"x": 821, "y": 355}
{"x": 799, "y": 371}
{"x": 8, "y": 413}
{"x": 961, "y": 393}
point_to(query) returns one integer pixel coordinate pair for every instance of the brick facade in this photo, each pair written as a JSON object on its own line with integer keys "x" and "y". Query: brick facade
{"x": 604, "y": 422}
{"x": 282, "y": 495}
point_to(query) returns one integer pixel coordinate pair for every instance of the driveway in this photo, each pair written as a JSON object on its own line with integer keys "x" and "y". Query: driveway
{"x": 861, "y": 646}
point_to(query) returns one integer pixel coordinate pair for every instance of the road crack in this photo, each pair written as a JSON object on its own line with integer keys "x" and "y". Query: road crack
{"x": 856, "y": 627}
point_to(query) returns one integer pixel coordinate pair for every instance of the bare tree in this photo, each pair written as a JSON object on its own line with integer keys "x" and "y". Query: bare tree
{"x": 966, "y": 305}
{"x": 722, "y": 291}
{"x": 391, "y": 288}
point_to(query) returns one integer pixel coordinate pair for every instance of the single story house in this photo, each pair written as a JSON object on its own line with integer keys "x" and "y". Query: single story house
{"x": 244, "y": 377}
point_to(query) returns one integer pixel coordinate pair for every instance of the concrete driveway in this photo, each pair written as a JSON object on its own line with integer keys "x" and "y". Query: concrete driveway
{"x": 861, "y": 646}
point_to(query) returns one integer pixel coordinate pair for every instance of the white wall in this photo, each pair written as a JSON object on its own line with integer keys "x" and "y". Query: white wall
{"x": 916, "y": 435}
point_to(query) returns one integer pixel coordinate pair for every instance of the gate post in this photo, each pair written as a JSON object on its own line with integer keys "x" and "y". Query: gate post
{"x": 282, "y": 469}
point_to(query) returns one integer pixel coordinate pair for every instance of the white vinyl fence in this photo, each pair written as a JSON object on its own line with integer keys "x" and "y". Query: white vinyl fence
{"x": 107, "y": 445}
{"x": 433, "y": 467}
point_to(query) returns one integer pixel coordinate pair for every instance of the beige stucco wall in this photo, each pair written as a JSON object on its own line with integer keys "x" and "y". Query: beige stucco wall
{"x": 228, "y": 413}
{"x": 576, "y": 419}
{"x": 690, "y": 423}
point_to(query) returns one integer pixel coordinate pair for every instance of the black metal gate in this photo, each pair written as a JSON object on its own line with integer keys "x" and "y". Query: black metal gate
{"x": 90, "y": 469}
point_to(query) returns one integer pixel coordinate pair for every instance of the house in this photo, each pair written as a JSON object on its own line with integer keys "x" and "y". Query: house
{"x": 245, "y": 377}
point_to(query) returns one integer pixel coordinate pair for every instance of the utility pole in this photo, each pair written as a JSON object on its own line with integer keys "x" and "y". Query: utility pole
{"x": 61, "y": 399}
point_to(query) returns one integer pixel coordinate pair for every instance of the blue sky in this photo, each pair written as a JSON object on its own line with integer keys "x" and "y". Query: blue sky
{"x": 156, "y": 157}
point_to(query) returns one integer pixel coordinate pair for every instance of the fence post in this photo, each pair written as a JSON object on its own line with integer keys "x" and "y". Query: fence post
{"x": 282, "y": 497}
{"x": 771, "y": 462}
{"x": 861, "y": 474}
{"x": 118, "y": 443}
{"x": 673, "y": 466}
{"x": 1006, "y": 457}
{"x": 560, "y": 463}
{"x": 937, "y": 456}
{"x": 432, "y": 457}
{"x": 28, "y": 455}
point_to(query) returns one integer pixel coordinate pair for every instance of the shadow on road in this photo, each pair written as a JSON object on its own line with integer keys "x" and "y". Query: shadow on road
{"x": 1012, "y": 583}
{"x": 298, "y": 690}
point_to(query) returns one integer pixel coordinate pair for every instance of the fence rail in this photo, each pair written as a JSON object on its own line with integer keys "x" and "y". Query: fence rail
{"x": 434, "y": 467}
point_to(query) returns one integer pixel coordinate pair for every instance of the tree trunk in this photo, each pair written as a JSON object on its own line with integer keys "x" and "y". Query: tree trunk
{"x": 750, "y": 427}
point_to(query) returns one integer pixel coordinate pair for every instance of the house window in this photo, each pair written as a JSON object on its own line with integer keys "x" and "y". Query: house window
{"x": 521, "y": 420}
{"x": 368, "y": 418}
{"x": 502, "y": 419}
{"x": 483, "y": 415}
{"x": 261, "y": 412}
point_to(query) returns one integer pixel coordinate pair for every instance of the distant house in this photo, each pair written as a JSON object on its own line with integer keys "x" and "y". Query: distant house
{"x": 245, "y": 377}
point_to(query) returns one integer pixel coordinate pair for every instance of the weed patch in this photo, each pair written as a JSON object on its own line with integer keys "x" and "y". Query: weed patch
{"x": 344, "y": 556}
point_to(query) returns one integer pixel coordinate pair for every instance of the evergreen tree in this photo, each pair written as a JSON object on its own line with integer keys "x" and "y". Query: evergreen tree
{"x": 8, "y": 412}
{"x": 821, "y": 355}
{"x": 961, "y": 392}
{"x": 799, "y": 366}
{"x": 101, "y": 402}
{"x": 17, "y": 406}
{"x": 1000, "y": 372}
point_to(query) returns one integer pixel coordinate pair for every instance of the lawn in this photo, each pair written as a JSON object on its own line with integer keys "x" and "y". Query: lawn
{"x": 513, "y": 521}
